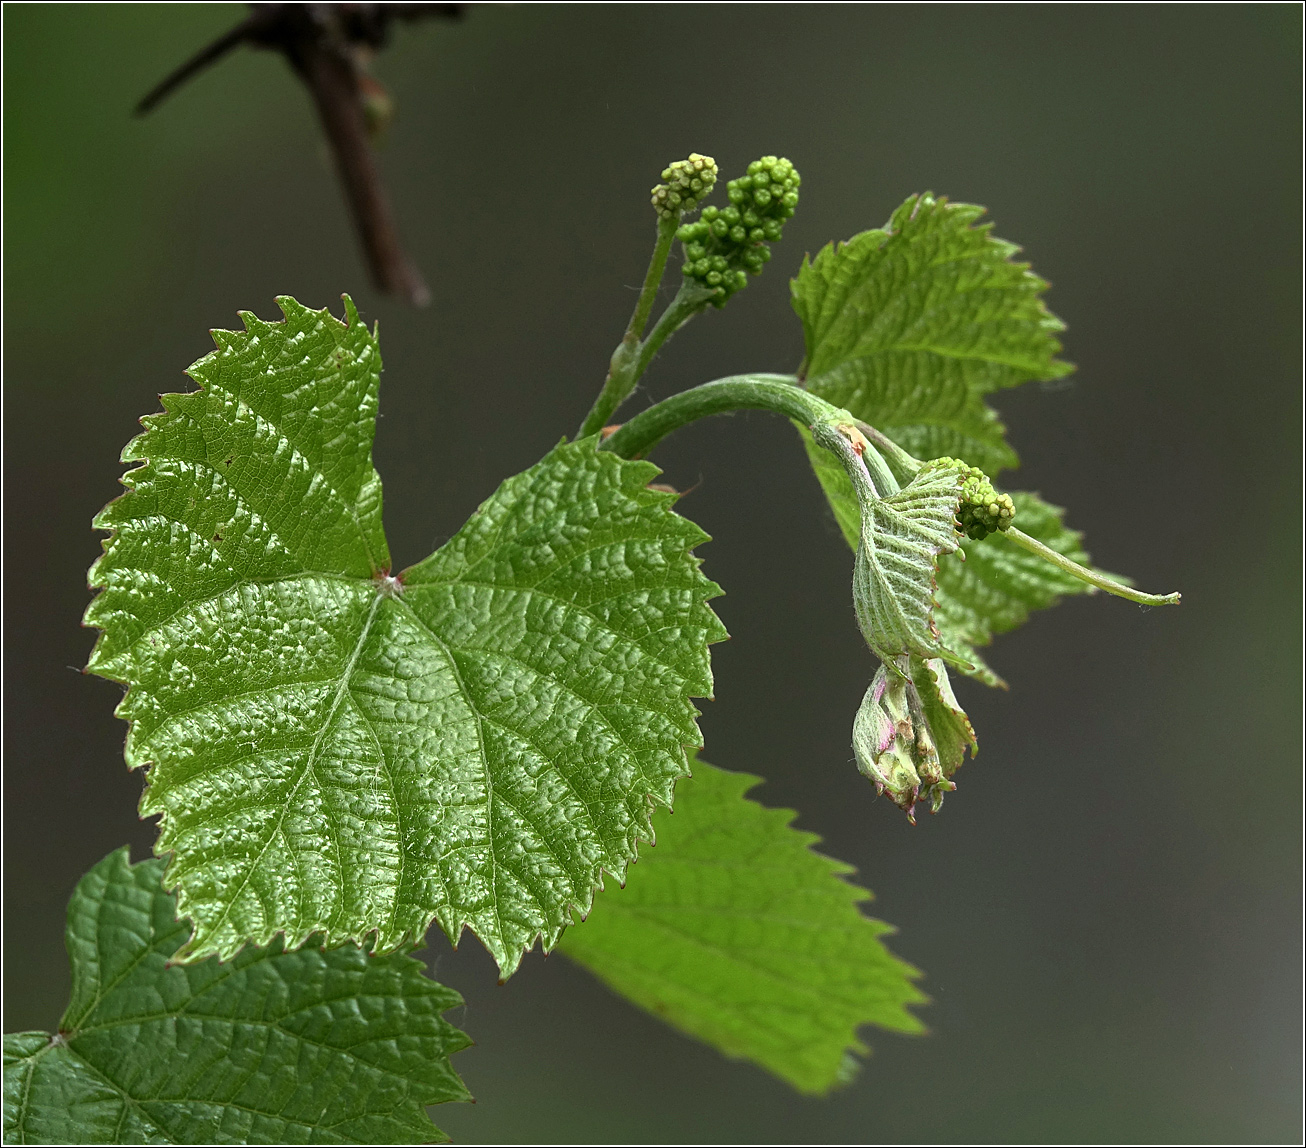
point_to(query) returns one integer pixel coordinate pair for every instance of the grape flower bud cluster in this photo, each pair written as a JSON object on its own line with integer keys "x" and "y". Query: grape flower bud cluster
{"x": 726, "y": 245}
{"x": 688, "y": 183}
{"x": 983, "y": 511}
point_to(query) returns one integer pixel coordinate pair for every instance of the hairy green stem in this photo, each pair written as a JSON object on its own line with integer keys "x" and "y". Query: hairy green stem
{"x": 624, "y": 369}
{"x": 777, "y": 393}
{"x": 871, "y": 478}
{"x": 1084, "y": 574}
{"x": 891, "y": 450}
{"x": 862, "y": 460}
{"x": 739, "y": 392}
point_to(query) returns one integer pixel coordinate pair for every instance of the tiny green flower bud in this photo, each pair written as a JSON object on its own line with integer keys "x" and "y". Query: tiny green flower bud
{"x": 735, "y": 238}
{"x": 687, "y": 183}
{"x": 982, "y": 511}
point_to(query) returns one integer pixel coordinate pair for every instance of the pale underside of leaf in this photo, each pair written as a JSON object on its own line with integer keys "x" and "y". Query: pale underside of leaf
{"x": 898, "y": 552}
{"x": 337, "y": 751}
{"x": 274, "y": 1047}
{"x": 736, "y": 932}
{"x": 994, "y": 588}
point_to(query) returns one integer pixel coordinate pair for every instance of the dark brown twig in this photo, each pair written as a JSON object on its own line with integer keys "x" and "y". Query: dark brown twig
{"x": 326, "y": 44}
{"x": 241, "y": 33}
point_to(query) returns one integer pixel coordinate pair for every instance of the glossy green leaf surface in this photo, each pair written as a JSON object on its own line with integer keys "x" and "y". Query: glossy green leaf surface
{"x": 910, "y": 325}
{"x": 307, "y": 1047}
{"x": 334, "y": 750}
{"x": 736, "y": 932}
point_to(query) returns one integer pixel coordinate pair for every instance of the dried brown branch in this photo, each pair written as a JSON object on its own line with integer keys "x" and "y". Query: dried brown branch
{"x": 327, "y": 45}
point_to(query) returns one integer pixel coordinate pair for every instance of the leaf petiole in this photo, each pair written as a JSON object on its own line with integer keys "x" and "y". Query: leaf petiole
{"x": 1084, "y": 574}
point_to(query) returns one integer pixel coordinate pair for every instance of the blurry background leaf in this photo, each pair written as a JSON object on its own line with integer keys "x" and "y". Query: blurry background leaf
{"x": 735, "y": 931}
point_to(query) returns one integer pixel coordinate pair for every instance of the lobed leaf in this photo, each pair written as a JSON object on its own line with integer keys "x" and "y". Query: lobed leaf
{"x": 909, "y": 327}
{"x": 335, "y": 750}
{"x": 906, "y": 325}
{"x": 736, "y": 932}
{"x": 310, "y": 1047}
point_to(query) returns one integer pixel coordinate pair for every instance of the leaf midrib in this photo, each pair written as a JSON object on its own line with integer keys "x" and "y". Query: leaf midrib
{"x": 341, "y": 692}
{"x": 312, "y": 468}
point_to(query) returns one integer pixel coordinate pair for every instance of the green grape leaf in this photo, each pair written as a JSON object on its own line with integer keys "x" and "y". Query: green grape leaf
{"x": 735, "y": 931}
{"x": 310, "y": 1047}
{"x": 927, "y": 406}
{"x": 997, "y": 585}
{"x": 909, "y": 326}
{"x": 335, "y": 750}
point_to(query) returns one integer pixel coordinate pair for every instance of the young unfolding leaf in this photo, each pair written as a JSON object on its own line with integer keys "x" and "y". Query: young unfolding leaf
{"x": 274, "y": 1047}
{"x": 911, "y": 734}
{"x": 335, "y": 750}
{"x": 735, "y": 931}
{"x": 902, "y": 537}
{"x": 998, "y": 584}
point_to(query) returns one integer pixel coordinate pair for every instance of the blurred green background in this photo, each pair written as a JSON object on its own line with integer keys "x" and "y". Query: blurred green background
{"x": 1108, "y": 911}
